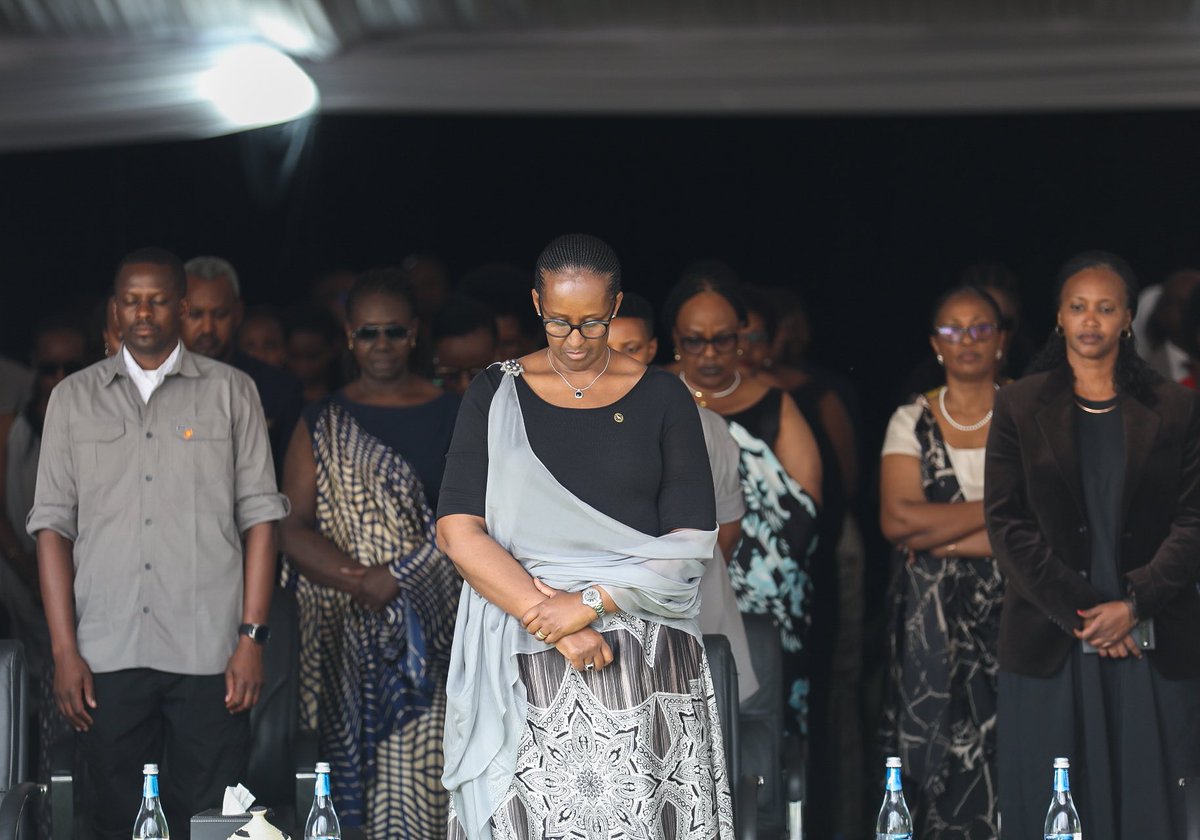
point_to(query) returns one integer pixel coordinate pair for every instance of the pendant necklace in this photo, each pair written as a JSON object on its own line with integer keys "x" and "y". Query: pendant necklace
{"x": 715, "y": 395}
{"x": 974, "y": 427}
{"x": 578, "y": 391}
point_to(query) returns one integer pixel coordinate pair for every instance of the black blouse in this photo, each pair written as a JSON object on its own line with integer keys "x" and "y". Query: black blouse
{"x": 648, "y": 469}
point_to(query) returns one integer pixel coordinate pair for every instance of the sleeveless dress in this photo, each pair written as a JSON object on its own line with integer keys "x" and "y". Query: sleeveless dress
{"x": 769, "y": 569}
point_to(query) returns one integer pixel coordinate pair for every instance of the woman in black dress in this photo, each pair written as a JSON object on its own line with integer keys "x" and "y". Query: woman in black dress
{"x": 578, "y": 504}
{"x": 1093, "y": 507}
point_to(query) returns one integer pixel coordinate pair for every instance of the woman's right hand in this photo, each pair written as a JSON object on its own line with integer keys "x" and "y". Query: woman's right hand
{"x": 585, "y": 647}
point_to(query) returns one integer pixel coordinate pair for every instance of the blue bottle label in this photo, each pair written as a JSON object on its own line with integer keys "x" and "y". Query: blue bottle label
{"x": 1061, "y": 782}
{"x": 893, "y": 837}
{"x": 150, "y": 787}
{"x": 893, "y": 780}
{"x": 322, "y": 784}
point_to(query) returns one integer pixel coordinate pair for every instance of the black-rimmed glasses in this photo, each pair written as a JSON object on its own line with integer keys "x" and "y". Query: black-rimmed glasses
{"x": 977, "y": 332}
{"x": 558, "y": 328}
{"x": 694, "y": 345}
{"x": 370, "y": 332}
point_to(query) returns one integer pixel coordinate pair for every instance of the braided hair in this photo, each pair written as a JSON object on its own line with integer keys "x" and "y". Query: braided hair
{"x": 579, "y": 252}
{"x": 1132, "y": 374}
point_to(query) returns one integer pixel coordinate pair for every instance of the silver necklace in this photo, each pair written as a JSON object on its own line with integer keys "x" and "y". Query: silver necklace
{"x": 974, "y": 427}
{"x": 578, "y": 391}
{"x": 715, "y": 395}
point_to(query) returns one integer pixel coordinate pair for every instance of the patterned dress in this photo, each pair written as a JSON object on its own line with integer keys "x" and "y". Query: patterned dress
{"x": 372, "y": 685}
{"x": 940, "y": 710}
{"x": 769, "y": 568}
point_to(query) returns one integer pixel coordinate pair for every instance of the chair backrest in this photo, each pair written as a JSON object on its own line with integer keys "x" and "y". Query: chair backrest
{"x": 14, "y": 710}
{"x": 273, "y": 720}
{"x": 724, "y": 677}
{"x": 761, "y": 730}
{"x": 1191, "y": 795}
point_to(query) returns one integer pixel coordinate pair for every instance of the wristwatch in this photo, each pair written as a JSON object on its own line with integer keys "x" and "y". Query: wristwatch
{"x": 591, "y": 598}
{"x": 257, "y": 632}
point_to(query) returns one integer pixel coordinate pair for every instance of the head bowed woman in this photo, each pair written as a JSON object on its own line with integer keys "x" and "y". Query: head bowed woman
{"x": 578, "y": 507}
{"x": 946, "y": 590}
{"x": 1093, "y": 508}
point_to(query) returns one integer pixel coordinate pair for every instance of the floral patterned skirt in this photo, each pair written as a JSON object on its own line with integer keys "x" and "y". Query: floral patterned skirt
{"x": 631, "y": 751}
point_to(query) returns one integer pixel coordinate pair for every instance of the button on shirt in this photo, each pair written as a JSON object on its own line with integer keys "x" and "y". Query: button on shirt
{"x": 155, "y": 495}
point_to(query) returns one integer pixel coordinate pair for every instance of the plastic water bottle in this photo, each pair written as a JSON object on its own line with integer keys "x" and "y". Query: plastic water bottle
{"x": 322, "y": 823}
{"x": 895, "y": 822}
{"x": 1062, "y": 820}
{"x": 151, "y": 822}
{"x": 795, "y": 808}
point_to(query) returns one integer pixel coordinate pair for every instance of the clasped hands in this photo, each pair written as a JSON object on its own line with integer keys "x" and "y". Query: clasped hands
{"x": 1107, "y": 628}
{"x": 562, "y": 621}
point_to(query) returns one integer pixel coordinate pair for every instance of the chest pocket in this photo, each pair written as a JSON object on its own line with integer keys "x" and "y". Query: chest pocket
{"x": 103, "y": 463}
{"x": 200, "y": 447}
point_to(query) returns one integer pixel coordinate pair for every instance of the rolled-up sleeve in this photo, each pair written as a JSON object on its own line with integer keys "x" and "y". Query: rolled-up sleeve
{"x": 56, "y": 498}
{"x": 256, "y": 495}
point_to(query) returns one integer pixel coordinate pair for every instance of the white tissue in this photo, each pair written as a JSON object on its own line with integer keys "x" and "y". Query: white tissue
{"x": 237, "y": 801}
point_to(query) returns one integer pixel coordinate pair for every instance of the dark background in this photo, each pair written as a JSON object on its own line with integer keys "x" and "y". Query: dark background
{"x": 868, "y": 217}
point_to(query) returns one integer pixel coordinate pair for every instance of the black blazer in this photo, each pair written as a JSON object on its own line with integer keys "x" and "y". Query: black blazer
{"x": 1033, "y": 498}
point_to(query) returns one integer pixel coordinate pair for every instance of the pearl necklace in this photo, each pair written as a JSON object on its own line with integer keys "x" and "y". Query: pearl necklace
{"x": 974, "y": 427}
{"x": 578, "y": 391}
{"x": 715, "y": 395}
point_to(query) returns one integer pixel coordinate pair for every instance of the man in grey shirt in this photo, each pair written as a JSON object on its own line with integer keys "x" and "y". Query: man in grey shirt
{"x": 154, "y": 516}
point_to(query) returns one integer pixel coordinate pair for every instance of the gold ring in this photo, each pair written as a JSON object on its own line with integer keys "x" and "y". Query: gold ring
{"x": 541, "y": 637}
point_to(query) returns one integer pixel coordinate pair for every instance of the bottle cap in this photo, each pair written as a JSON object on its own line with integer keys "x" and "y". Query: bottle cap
{"x": 322, "y": 767}
{"x": 1062, "y": 764}
{"x": 893, "y": 761}
{"x": 150, "y": 770}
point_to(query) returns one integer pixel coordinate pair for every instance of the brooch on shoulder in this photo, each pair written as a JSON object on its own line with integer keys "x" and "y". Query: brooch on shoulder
{"x": 512, "y": 367}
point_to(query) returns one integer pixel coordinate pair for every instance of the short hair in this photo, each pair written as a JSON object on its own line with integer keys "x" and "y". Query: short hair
{"x": 389, "y": 281}
{"x": 152, "y": 255}
{"x": 581, "y": 252}
{"x": 463, "y": 316}
{"x": 60, "y": 322}
{"x": 504, "y": 288}
{"x": 311, "y": 318}
{"x": 634, "y": 305}
{"x": 264, "y": 312}
{"x": 704, "y": 276}
{"x": 967, "y": 290}
{"x": 214, "y": 268}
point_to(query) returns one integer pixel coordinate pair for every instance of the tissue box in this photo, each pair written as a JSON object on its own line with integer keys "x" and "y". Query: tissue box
{"x": 213, "y": 825}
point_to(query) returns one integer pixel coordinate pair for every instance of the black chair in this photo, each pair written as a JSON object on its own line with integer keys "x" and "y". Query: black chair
{"x": 17, "y": 790}
{"x": 779, "y": 761}
{"x": 280, "y": 768}
{"x": 1191, "y": 796}
{"x": 725, "y": 684}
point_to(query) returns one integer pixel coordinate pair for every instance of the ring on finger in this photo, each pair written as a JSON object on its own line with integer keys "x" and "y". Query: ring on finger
{"x": 591, "y": 666}
{"x": 541, "y": 637}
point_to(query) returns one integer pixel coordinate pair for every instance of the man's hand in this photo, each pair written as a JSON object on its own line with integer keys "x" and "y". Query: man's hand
{"x": 74, "y": 691}
{"x": 585, "y": 647}
{"x": 1105, "y": 625}
{"x": 560, "y": 615}
{"x": 372, "y": 586}
{"x": 1120, "y": 650}
{"x": 244, "y": 676}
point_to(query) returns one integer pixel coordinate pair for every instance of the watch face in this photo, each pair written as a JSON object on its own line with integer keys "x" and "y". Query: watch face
{"x": 591, "y": 597}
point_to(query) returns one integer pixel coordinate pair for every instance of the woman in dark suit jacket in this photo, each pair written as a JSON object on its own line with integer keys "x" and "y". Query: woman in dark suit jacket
{"x": 1093, "y": 506}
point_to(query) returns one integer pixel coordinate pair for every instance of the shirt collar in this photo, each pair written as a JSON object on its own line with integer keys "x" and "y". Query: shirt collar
{"x": 181, "y": 361}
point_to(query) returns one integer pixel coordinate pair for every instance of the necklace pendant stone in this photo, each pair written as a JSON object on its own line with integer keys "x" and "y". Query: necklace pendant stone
{"x": 578, "y": 394}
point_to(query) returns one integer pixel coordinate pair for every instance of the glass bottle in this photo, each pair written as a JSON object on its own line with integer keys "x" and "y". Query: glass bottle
{"x": 322, "y": 822}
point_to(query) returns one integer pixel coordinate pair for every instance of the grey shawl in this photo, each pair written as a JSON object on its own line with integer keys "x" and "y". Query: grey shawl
{"x": 570, "y": 545}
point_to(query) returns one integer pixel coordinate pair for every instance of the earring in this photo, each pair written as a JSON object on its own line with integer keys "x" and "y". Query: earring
{"x": 999, "y": 355}
{"x": 1058, "y": 330}
{"x": 740, "y": 351}
{"x": 941, "y": 361}
{"x": 1127, "y": 333}
{"x": 678, "y": 358}
{"x": 350, "y": 344}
